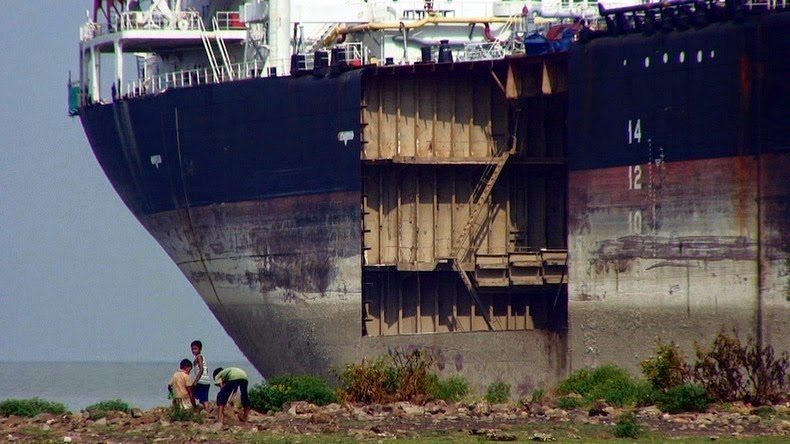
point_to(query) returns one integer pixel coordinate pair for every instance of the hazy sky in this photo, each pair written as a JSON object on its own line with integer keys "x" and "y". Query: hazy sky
{"x": 80, "y": 279}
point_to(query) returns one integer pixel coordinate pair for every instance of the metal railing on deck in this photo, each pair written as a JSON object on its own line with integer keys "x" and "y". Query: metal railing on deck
{"x": 483, "y": 51}
{"x": 157, "y": 21}
{"x": 767, "y": 4}
{"x": 202, "y": 76}
{"x": 356, "y": 54}
{"x": 136, "y": 20}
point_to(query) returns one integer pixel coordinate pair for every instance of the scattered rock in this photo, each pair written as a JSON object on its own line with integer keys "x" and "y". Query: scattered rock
{"x": 398, "y": 420}
{"x": 556, "y": 414}
{"x": 597, "y": 412}
{"x": 542, "y": 437}
{"x": 302, "y": 408}
{"x": 413, "y": 410}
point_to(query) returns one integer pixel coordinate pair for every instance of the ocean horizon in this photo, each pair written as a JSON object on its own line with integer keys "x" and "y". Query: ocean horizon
{"x": 78, "y": 384}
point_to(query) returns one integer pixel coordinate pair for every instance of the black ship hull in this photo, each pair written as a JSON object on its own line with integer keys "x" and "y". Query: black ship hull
{"x": 679, "y": 197}
{"x": 677, "y": 201}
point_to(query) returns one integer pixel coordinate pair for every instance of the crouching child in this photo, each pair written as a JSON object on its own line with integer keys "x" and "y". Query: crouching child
{"x": 229, "y": 380}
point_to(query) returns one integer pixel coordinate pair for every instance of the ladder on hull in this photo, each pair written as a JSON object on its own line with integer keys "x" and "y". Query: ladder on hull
{"x": 478, "y": 200}
{"x": 212, "y": 58}
{"x": 223, "y": 49}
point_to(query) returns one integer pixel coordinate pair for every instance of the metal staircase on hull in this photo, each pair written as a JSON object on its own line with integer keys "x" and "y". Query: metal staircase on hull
{"x": 223, "y": 49}
{"x": 467, "y": 242}
{"x": 212, "y": 58}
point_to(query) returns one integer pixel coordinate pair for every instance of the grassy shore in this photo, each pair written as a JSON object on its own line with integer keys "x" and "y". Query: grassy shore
{"x": 305, "y": 423}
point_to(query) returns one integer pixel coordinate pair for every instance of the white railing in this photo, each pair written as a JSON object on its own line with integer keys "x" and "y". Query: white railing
{"x": 203, "y": 76}
{"x": 305, "y": 63}
{"x": 158, "y": 21}
{"x": 136, "y": 20}
{"x": 483, "y": 51}
{"x": 767, "y": 4}
{"x": 416, "y": 9}
{"x": 356, "y": 54}
{"x": 90, "y": 30}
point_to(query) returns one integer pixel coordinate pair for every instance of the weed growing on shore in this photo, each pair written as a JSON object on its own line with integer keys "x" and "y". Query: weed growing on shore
{"x": 684, "y": 398}
{"x": 627, "y": 427}
{"x": 452, "y": 389}
{"x": 30, "y": 407}
{"x": 610, "y": 383}
{"x": 100, "y": 409}
{"x": 399, "y": 376}
{"x": 538, "y": 395}
{"x": 498, "y": 392}
{"x": 732, "y": 371}
{"x": 667, "y": 368}
{"x": 178, "y": 414}
{"x": 275, "y": 393}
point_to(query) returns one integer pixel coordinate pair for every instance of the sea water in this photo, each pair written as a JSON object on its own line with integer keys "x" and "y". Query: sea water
{"x": 80, "y": 384}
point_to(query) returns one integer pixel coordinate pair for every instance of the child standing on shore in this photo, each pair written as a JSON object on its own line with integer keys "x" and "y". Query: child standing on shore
{"x": 182, "y": 386}
{"x": 202, "y": 380}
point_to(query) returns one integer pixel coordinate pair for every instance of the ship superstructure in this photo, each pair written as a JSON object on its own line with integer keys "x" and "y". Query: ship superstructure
{"x": 338, "y": 179}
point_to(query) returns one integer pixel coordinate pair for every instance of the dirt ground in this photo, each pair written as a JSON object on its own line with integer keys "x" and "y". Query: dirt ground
{"x": 434, "y": 422}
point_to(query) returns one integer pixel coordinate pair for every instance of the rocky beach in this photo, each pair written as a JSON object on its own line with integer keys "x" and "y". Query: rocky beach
{"x": 434, "y": 422}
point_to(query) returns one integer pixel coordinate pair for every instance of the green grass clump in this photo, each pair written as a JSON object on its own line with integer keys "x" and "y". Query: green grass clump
{"x": 178, "y": 414}
{"x": 498, "y": 392}
{"x": 684, "y": 398}
{"x": 569, "y": 402}
{"x": 100, "y": 409}
{"x": 453, "y": 388}
{"x": 608, "y": 382}
{"x": 30, "y": 407}
{"x": 627, "y": 427}
{"x": 272, "y": 395}
{"x": 764, "y": 411}
{"x": 538, "y": 395}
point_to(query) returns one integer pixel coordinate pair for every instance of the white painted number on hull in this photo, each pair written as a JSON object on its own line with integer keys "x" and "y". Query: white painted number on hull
{"x": 635, "y": 222}
{"x": 634, "y": 131}
{"x": 635, "y": 177}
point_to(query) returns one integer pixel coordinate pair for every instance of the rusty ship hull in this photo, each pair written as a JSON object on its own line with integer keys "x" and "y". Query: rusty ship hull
{"x": 263, "y": 215}
{"x": 680, "y": 230}
{"x": 521, "y": 217}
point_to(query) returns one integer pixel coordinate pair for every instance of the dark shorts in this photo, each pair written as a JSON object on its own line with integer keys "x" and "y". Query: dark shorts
{"x": 230, "y": 386}
{"x": 201, "y": 393}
